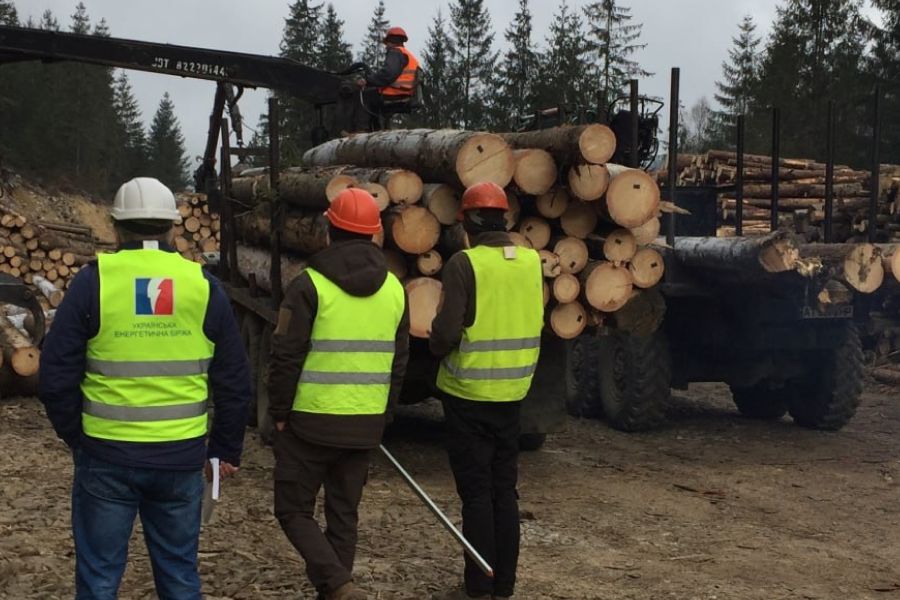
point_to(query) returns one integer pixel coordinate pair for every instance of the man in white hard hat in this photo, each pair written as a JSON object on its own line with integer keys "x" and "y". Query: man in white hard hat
{"x": 137, "y": 346}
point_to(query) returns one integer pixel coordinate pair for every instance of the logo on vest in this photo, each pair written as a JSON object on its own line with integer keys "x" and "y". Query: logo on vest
{"x": 154, "y": 296}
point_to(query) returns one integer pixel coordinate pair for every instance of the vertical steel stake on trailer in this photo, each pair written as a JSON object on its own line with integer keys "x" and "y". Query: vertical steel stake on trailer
{"x": 634, "y": 159}
{"x": 776, "y": 149}
{"x": 673, "y": 150}
{"x": 739, "y": 179}
{"x": 227, "y": 265}
{"x": 448, "y": 525}
{"x": 829, "y": 174}
{"x": 876, "y": 166}
{"x": 275, "y": 207}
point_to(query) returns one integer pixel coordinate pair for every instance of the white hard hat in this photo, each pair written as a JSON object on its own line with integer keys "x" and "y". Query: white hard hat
{"x": 144, "y": 198}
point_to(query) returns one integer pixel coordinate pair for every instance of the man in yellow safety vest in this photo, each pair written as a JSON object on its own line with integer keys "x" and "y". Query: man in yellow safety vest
{"x": 339, "y": 355}
{"x": 487, "y": 334}
{"x": 140, "y": 342}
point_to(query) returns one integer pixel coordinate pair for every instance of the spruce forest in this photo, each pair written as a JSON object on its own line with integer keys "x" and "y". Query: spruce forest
{"x": 82, "y": 125}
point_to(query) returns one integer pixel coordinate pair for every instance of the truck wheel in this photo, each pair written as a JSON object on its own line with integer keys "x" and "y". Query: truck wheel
{"x": 528, "y": 442}
{"x": 828, "y": 396}
{"x": 250, "y": 328}
{"x": 635, "y": 379}
{"x": 581, "y": 377}
{"x": 760, "y": 401}
{"x": 264, "y": 424}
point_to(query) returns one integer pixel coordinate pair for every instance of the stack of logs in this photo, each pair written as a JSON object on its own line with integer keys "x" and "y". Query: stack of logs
{"x": 198, "y": 230}
{"x": 801, "y": 191}
{"x": 594, "y": 231}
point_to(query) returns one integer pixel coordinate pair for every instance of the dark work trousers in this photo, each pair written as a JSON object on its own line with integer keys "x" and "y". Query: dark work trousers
{"x": 483, "y": 444}
{"x": 301, "y": 469}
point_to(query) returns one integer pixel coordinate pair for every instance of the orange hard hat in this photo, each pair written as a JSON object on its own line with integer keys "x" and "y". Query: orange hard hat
{"x": 486, "y": 194}
{"x": 355, "y": 210}
{"x": 396, "y": 32}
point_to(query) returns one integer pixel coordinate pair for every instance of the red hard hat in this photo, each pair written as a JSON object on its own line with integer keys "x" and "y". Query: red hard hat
{"x": 396, "y": 32}
{"x": 486, "y": 194}
{"x": 355, "y": 210}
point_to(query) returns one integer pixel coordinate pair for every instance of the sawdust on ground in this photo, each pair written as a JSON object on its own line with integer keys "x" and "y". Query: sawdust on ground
{"x": 714, "y": 506}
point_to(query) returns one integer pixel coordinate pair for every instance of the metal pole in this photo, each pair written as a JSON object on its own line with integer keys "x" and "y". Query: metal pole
{"x": 225, "y": 264}
{"x": 776, "y": 149}
{"x": 470, "y": 550}
{"x": 739, "y": 179}
{"x": 275, "y": 214}
{"x": 673, "y": 151}
{"x": 634, "y": 160}
{"x": 829, "y": 174}
{"x": 876, "y": 166}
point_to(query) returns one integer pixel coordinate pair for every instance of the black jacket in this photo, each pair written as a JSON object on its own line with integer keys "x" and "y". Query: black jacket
{"x": 394, "y": 63}
{"x": 358, "y": 268}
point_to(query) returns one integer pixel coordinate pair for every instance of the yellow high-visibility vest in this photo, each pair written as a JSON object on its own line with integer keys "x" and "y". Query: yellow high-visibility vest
{"x": 498, "y": 354}
{"x": 351, "y": 353}
{"x": 146, "y": 373}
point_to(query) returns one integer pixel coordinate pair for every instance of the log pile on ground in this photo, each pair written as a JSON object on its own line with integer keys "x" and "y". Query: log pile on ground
{"x": 593, "y": 223}
{"x": 198, "y": 230}
{"x": 801, "y": 191}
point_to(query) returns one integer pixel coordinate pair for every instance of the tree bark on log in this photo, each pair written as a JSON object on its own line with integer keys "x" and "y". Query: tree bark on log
{"x": 255, "y": 262}
{"x": 568, "y": 320}
{"x": 892, "y": 261}
{"x": 19, "y": 354}
{"x": 438, "y": 155}
{"x": 569, "y": 144}
{"x": 425, "y": 295}
{"x": 301, "y": 233}
{"x": 775, "y": 253}
{"x": 53, "y": 294}
{"x": 535, "y": 171}
{"x": 305, "y": 188}
{"x": 859, "y": 265}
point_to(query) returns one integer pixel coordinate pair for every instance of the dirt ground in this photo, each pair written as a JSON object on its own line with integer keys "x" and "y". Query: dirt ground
{"x": 714, "y": 506}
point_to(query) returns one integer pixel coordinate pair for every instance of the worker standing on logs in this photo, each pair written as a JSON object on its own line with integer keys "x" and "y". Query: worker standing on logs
{"x": 339, "y": 354}
{"x": 487, "y": 333}
{"x": 397, "y": 78}
{"x": 141, "y": 340}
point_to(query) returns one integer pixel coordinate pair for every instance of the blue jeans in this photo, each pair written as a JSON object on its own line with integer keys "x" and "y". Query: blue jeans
{"x": 106, "y": 498}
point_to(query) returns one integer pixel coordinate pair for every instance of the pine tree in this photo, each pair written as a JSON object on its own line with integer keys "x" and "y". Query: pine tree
{"x": 300, "y": 42}
{"x": 700, "y": 129}
{"x": 133, "y": 144}
{"x": 167, "y": 158}
{"x": 739, "y": 76}
{"x": 473, "y": 62}
{"x": 613, "y": 41}
{"x": 373, "y": 44}
{"x": 8, "y": 14}
{"x": 815, "y": 53}
{"x": 565, "y": 77}
{"x": 519, "y": 67}
{"x": 885, "y": 68}
{"x": 439, "y": 88}
{"x": 335, "y": 53}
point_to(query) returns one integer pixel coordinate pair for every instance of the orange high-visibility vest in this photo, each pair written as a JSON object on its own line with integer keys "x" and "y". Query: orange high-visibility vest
{"x": 405, "y": 85}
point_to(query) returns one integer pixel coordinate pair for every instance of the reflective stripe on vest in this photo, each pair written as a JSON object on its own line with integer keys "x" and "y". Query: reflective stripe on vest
{"x": 498, "y": 354}
{"x": 405, "y": 84}
{"x": 146, "y": 370}
{"x": 351, "y": 352}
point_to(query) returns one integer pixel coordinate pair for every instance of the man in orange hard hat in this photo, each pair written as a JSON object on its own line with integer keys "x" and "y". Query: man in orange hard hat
{"x": 487, "y": 334}
{"x": 396, "y": 80}
{"x": 339, "y": 354}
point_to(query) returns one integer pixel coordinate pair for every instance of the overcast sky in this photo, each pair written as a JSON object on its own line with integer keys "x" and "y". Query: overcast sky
{"x": 692, "y": 34}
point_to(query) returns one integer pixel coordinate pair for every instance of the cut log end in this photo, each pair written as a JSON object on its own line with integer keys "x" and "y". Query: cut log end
{"x": 415, "y": 230}
{"x": 535, "y": 171}
{"x": 608, "y": 287}
{"x": 550, "y": 264}
{"x": 864, "y": 268}
{"x": 632, "y": 198}
{"x": 425, "y": 295}
{"x": 646, "y": 233}
{"x": 338, "y": 184}
{"x": 566, "y": 288}
{"x": 579, "y": 220}
{"x": 597, "y": 143}
{"x": 553, "y": 204}
{"x": 379, "y": 192}
{"x": 619, "y": 246}
{"x": 429, "y": 263}
{"x": 485, "y": 157}
{"x": 537, "y": 231}
{"x": 573, "y": 254}
{"x": 443, "y": 202}
{"x": 647, "y": 268}
{"x": 568, "y": 320}
{"x": 588, "y": 182}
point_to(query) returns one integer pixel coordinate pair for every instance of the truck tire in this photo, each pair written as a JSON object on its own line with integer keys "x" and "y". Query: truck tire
{"x": 828, "y": 396}
{"x": 582, "y": 388}
{"x": 264, "y": 424}
{"x": 529, "y": 442}
{"x": 760, "y": 401}
{"x": 250, "y": 334}
{"x": 635, "y": 375}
